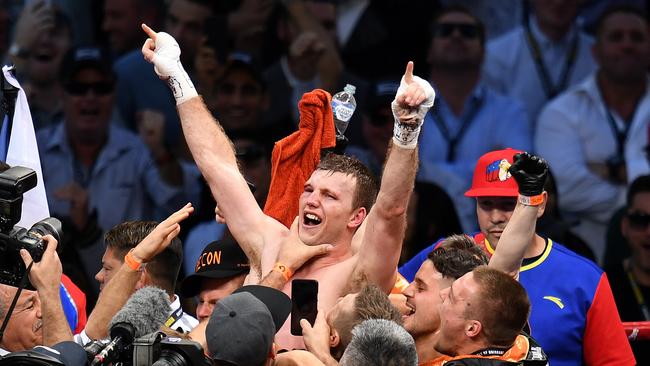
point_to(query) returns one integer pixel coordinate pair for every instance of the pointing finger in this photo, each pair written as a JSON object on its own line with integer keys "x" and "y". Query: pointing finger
{"x": 408, "y": 74}
{"x": 150, "y": 32}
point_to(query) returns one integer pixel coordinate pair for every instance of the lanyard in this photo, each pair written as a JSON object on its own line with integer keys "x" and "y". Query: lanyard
{"x": 452, "y": 141}
{"x": 550, "y": 89}
{"x": 173, "y": 318}
{"x": 638, "y": 295}
{"x": 620, "y": 135}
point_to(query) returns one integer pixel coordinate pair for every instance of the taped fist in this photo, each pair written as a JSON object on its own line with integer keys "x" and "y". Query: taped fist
{"x": 163, "y": 52}
{"x": 412, "y": 101}
{"x": 530, "y": 172}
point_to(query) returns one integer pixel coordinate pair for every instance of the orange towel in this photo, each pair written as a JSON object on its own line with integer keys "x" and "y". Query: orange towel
{"x": 296, "y": 156}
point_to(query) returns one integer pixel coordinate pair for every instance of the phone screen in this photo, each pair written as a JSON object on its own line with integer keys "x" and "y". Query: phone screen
{"x": 304, "y": 303}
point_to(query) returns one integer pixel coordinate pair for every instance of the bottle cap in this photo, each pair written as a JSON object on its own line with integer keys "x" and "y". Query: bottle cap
{"x": 350, "y": 88}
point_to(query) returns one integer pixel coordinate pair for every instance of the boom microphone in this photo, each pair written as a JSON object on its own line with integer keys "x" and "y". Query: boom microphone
{"x": 144, "y": 312}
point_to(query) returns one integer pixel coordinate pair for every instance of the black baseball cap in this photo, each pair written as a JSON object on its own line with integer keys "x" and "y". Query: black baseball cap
{"x": 220, "y": 259}
{"x": 242, "y": 326}
{"x": 278, "y": 302}
{"x": 79, "y": 58}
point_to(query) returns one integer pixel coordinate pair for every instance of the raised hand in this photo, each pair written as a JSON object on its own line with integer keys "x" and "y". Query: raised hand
{"x": 164, "y": 53}
{"x": 412, "y": 102}
{"x": 36, "y": 18}
{"x": 160, "y": 237}
{"x": 530, "y": 172}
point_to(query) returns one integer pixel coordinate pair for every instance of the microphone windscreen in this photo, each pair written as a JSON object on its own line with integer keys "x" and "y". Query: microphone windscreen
{"x": 147, "y": 309}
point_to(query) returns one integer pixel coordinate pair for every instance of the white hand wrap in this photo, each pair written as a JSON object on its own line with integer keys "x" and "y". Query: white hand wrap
{"x": 406, "y": 134}
{"x": 167, "y": 65}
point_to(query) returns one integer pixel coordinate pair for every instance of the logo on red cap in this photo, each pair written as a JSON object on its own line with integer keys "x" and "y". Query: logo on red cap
{"x": 498, "y": 170}
{"x": 491, "y": 175}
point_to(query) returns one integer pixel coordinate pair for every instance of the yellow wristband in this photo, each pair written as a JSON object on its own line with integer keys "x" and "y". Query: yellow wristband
{"x": 532, "y": 200}
{"x": 284, "y": 270}
{"x": 132, "y": 262}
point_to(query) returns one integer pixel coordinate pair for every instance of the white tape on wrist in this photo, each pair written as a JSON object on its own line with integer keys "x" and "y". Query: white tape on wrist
{"x": 167, "y": 65}
{"x": 181, "y": 85}
{"x": 406, "y": 135}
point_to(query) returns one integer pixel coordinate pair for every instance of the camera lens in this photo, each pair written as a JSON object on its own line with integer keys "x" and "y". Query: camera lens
{"x": 47, "y": 226}
{"x": 171, "y": 358}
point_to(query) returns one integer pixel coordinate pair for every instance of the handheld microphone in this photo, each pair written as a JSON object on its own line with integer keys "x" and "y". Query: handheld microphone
{"x": 144, "y": 312}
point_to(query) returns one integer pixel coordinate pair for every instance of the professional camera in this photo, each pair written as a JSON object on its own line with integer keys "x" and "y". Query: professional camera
{"x": 13, "y": 183}
{"x": 154, "y": 349}
{"x": 159, "y": 350}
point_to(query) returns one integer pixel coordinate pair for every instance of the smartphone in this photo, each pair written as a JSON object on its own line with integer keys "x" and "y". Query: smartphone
{"x": 304, "y": 303}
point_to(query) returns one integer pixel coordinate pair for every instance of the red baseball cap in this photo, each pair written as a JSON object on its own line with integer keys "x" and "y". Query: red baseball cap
{"x": 491, "y": 176}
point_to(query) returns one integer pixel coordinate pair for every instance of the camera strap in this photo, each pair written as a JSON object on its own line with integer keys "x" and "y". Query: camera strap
{"x": 21, "y": 286}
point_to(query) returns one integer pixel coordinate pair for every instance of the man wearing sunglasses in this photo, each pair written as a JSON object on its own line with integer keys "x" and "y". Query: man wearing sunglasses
{"x": 96, "y": 174}
{"x": 631, "y": 278}
{"x": 470, "y": 119}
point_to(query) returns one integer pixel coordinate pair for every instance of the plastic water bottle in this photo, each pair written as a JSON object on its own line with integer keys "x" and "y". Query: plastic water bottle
{"x": 343, "y": 106}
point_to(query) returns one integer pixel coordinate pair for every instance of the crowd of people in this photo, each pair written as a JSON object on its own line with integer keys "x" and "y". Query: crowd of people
{"x": 494, "y": 209}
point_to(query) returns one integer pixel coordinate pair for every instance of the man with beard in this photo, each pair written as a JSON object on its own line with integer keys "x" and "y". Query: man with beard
{"x": 476, "y": 328}
{"x": 566, "y": 290}
{"x": 595, "y": 135}
{"x": 457, "y": 255}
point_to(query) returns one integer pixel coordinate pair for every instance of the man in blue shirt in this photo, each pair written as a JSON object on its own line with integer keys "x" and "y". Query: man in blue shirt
{"x": 97, "y": 174}
{"x": 469, "y": 119}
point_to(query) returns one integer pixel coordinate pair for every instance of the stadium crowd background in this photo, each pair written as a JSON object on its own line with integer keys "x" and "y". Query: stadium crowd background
{"x": 506, "y": 74}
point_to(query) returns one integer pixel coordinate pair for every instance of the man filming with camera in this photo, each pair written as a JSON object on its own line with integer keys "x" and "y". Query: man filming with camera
{"x": 37, "y": 323}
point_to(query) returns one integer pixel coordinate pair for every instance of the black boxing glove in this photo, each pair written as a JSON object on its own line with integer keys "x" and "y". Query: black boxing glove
{"x": 530, "y": 172}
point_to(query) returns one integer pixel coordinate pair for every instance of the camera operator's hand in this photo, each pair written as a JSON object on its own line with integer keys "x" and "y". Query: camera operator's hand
{"x": 45, "y": 275}
{"x": 160, "y": 237}
{"x": 294, "y": 253}
{"x": 530, "y": 172}
{"x": 78, "y": 198}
